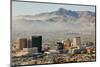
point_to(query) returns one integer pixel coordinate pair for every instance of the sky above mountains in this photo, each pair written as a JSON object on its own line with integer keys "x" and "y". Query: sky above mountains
{"x": 30, "y": 8}
{"x": 52, "y": 21}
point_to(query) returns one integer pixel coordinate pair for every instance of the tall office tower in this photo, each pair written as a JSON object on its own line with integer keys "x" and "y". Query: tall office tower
{"x": 37, "y": 42}
{"x": 21, "y": 43}
{"x": 76, "y": 42}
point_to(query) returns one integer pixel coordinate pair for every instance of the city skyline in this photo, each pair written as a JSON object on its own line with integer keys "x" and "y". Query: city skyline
{"x": 48, "y": 33}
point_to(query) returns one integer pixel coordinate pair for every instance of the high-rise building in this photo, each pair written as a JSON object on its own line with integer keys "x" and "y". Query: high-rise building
{"x": 37, "y": 42}
{"x": 67, "y": 44}
{"x": 76, "y": 42}
{"x": 60, "y": 46}
{"x": 21, "y": 43}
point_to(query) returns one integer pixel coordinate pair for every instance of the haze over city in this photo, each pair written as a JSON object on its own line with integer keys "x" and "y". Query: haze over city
{"x": 44, "y": 33}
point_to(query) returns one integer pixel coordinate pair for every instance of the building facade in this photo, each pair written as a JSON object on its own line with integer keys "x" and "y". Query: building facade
{"x": 37, "y": 42}
{"x": 67, "y": 44}
{"x": 21, "y": 43}
{"x": 76, "y": 43}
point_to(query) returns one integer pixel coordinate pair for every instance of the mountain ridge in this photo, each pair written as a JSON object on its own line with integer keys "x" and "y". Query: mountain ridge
{"x": 61, "y": 15}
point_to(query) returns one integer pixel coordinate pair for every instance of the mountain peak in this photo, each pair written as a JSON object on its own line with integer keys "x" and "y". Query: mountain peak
{"x": 61, "y": 11}
{"x": 65, "y": 12}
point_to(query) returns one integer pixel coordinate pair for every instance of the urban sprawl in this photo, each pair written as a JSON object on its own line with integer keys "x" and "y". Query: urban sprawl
{"x": 31, "y": 51}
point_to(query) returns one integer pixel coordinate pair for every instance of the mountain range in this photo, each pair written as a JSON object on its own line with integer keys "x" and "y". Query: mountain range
{"x": 55, "y": 25}
{"x": 61, "y": 15}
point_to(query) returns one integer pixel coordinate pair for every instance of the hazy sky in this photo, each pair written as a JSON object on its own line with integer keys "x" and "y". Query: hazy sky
{"x": 30, "y": 8}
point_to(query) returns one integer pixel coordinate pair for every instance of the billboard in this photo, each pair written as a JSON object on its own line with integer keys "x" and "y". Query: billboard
{"x": 52, "y": 33}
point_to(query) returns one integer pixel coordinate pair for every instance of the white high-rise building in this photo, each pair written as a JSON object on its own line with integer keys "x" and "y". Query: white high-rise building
{"x": 76, "y": 42}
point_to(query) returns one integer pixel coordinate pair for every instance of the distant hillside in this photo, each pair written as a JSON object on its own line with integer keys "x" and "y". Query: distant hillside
{"x": 55, "y": 24}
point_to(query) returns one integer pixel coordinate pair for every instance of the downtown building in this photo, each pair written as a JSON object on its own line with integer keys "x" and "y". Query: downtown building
{"x": 37, "y": 42}
{"x": 26, "y": 46}
{"x": 71, "y": 45}
{"x": 24, "y": 43}
{"x": 75, "y": 45}
{"x": 21, "y": 43}
{"x": 67, "y": 44}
